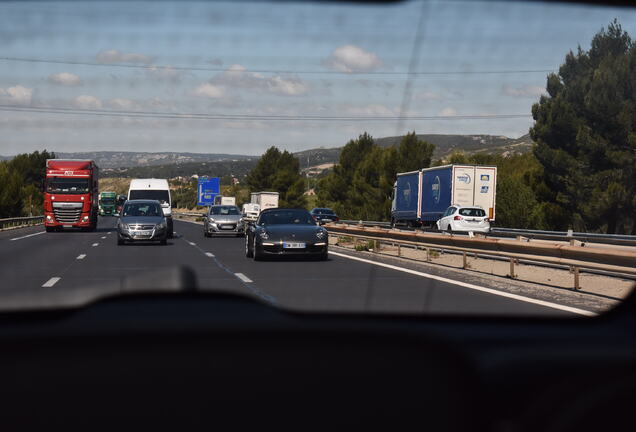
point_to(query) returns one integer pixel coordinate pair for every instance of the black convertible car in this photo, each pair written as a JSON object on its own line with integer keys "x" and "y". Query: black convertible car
{"x": 282, "y": 231}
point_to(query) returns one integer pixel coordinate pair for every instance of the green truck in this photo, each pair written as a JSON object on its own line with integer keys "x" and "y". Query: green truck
{"x": 107, "y": 201}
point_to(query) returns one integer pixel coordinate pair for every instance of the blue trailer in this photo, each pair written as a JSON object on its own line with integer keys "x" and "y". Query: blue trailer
{"x": 421, "y": 197}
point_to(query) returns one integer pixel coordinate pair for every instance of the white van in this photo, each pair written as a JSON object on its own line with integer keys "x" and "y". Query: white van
{"x": 154, "y": 189}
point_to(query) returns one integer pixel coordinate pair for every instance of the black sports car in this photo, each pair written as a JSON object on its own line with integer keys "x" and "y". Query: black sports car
{"x": 282, "y": 231}
{"x": 324, "y": 215}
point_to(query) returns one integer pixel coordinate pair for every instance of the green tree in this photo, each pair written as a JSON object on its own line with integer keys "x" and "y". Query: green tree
{"x": 279, "y": 172}
{"x": 585, "y": 130}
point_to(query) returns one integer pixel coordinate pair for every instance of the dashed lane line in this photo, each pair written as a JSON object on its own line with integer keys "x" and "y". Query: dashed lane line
{"x": 30, "y": 235}
{"x": 210, "y": 254}
{"x": 244, "y": 278}
{"x": 81, "y": 257}
{"x": 49, "y": 283}
{"x": 104, "y": 237}
{"x": 192, "y": 243}
{"x": 471, "y": 286}
{"x": 95, "y": 244}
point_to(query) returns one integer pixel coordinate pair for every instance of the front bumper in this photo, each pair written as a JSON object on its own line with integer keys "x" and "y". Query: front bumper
{"x": 276, "y": 248}
{"x": 233, "y": 228}
{"x": 156, "y": 235}
{"x": 83, "y": 222}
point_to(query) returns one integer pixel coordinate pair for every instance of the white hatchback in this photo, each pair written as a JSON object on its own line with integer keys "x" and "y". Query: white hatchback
{"x": 460, "y": 218}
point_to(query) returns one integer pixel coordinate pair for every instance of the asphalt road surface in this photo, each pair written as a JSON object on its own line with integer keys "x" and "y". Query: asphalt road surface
{"x": 32, "y": 258}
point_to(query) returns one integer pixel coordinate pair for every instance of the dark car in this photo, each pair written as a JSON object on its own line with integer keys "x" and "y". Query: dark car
{"x": 142, "y": 220}
{"x": 281, "y": 231}
{"x": 324, "y": 215}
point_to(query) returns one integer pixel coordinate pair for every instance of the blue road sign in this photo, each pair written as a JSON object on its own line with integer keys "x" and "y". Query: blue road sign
{"x": 207, "y": 189}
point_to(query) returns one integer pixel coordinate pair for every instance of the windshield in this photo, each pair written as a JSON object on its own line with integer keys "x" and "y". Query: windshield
{"x": 286, "y": 217}
{"x": 159, "y": 195}
{"x": 462, "y": 157}
{"x": 472, "y": 212}
{"x": 224, "y": 210}
{"x": 107, "y": 201}
{"x": 67, "y": 185}
{"x": 142, "y": 209}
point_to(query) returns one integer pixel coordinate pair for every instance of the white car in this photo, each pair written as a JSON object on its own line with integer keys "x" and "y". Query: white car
{"x": 460, "y": 218}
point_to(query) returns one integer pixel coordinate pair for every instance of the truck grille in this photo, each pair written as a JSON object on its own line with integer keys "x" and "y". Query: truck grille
{"x": 67, "y": 212}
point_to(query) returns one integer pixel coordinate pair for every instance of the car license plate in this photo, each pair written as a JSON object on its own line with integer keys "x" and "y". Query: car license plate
{"x": 142, "y": 233}
{"x": 67, "y": 226}
{"x": 326, "y": 220}
{"x": 293, "y": 245}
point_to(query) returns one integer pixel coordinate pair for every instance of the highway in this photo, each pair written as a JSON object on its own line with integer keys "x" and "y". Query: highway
{"x": 32, "y": 259}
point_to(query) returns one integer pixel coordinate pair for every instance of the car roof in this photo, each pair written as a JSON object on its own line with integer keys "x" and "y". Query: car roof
{"x": 142, "y": 201}
{"x": 149, "y": 184}
{"x": 281, "y": 208}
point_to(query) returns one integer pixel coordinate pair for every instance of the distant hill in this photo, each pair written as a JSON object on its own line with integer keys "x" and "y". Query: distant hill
{"x": 314, "y": 162}
{"x": 115, "y": 159}
{"x": 445, "y": 145}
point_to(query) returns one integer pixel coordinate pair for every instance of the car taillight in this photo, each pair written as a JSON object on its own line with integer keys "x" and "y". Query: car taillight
{"x": 457, "y": 218}
{"x": 337, "y": 219}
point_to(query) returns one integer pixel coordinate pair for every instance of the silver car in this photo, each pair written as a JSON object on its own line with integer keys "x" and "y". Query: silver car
{"x": 223, "y": 220}
{"x": 142, "y": 220}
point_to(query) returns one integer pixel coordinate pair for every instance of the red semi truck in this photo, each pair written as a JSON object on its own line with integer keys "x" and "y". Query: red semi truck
{"x": 71, "y": 194}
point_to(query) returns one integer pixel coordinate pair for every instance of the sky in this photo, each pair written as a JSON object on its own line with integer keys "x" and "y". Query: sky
{"x": 239, "y": 77}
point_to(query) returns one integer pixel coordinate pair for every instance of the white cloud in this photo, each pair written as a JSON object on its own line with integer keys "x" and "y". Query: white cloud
{"x": 123, "y": 104}
{"x": 115, "y": 56}
{"x": 87, "y": 102}
{"x": 209, "y": 91}
{"x": 65, "y": 78}
{"x": 523, "y": 91}
{"x": 448, "y": 112}
{"x": 350, "y": 58}
{"x": 236, "y": 76}
{"x": 369, "y": 110}
{"x": 16, "y": 95}
{"x": 167, "y": 73}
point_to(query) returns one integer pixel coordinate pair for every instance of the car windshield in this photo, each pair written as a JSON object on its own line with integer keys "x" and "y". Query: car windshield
{"x": 67, "y": 185}
{"x": 108, "y": 201}
{"x": 477, "y": 212}
{"x": 159, "y": 195}
{"x": 465, "y": 157}
{"x": 224, "y": 210}
{"x": 286, "y": 217}
{"x": 142, "y": 209}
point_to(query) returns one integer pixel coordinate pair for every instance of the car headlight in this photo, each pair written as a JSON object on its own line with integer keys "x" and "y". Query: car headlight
{"x": 123, "y": 226}
{"x": 321, "y": 234}
{"x": 263, "y": 235}
{"x": 161, "y": 225}
{"x": 211, "y": 219}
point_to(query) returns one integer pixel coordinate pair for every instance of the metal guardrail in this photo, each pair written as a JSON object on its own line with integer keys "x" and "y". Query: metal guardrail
{"x": 20, "y": 221}
{"x": 613, "y": 239}
{"x": 575, "y": 257}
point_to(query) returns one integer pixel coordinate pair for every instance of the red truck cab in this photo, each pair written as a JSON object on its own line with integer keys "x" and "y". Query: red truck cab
{"x": 71, "y": 194}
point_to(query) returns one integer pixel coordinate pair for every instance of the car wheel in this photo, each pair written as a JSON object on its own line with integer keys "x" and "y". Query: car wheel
{"x": 258, "y": 256}
{"x": 248, "y": 251}
{"x": 392, "y": 223}
{"x": 324, "y": 256}
{"x": 120, "y": 242}
{"x": 449, "y": 229}
{"x": 164, "y": 241}
{"x": 49, "y": 229}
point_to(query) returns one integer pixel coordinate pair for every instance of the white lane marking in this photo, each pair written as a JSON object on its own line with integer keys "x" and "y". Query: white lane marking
{"x": 474, "y": 287}
{"x": 95, "y": 244}
{"x": 210, "y": 254}
{"x": 82, "y": 256}
{"x": 49, "y": 283}
{"x": 30, "y": 235}
{"x": 108, "y": 233}
{"x": 104, "y": 237}
{"x": 192, "y": 243}
{"x": 242, "y": 277}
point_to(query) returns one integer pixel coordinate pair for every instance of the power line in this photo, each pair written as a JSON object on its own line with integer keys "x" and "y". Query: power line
{"x": 273, "y": 71}
{"x": 245, "y": 117}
